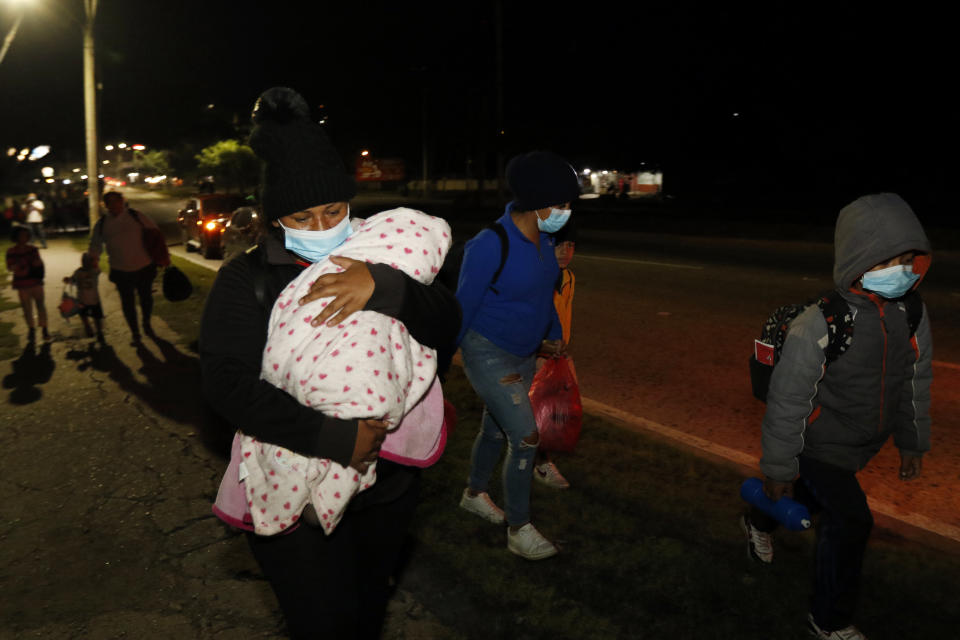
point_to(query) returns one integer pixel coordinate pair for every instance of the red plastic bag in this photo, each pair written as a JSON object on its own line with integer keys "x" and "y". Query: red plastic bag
{"x": 555, "y": 397}
{"x": 69, "y": 305}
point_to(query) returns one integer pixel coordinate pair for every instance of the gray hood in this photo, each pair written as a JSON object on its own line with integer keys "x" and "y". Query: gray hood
{"x": 871, "y": 230}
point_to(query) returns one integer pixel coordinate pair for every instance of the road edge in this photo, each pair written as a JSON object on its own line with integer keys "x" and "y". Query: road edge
{"x": 913, "y": 526}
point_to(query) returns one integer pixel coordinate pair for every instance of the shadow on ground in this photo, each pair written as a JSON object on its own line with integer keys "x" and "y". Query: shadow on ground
{"x": 169, "y": 385}
{"x": 34, "y": 367}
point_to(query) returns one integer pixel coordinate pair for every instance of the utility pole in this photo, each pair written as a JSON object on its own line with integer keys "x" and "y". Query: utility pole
{"x": 90, "y": 111}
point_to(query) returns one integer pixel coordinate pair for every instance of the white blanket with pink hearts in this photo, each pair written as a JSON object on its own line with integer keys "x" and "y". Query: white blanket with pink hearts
{"x": 368, "y": 366}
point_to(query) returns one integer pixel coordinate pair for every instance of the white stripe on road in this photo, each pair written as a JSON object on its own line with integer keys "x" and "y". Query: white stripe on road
{"x": 647, "y": 262}
{"x": 946, "y": 365}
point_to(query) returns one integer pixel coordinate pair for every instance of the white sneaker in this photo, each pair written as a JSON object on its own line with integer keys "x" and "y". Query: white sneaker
{"x": 759, "y": 544}
{"x": 548, "y": 474}
{"x": 847, "y": 633}
{"x": 528, "y": 543}
{"x": 483, "y": 506}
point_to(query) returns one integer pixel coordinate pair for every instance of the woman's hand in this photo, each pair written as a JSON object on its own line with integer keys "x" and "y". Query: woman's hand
{"x": 351, "y": 290}
{"x": 552, "y": 348}
{"x": 370, "y": 436}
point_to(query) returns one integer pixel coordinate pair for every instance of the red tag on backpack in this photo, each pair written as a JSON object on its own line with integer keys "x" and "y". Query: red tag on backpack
{"x": 763, "y": 352}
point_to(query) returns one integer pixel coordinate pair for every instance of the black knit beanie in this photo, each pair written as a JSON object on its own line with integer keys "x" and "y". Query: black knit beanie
{"x": 539, "y": 179}
{"x": 301, "y": 168}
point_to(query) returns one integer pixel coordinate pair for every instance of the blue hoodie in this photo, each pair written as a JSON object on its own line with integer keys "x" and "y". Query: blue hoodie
{"x": 518, "y": 313}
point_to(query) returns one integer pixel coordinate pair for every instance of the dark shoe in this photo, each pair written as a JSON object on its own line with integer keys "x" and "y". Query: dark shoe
{"x": 100, "y": 338}
{"x": 148, "y": 330}
{"x": 31, "y": 335}
{"x": 46, "y": 334}
{"x": 135, "y": 339}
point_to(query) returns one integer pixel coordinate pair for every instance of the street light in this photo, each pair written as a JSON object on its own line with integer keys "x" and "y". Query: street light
{"x": 8, "y": 40}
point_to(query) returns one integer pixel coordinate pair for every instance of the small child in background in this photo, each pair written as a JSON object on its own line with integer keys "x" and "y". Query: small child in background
{"x": 24, "y": 262}
{"x": 545, "y": 470}
{"x": 85, "y": 278}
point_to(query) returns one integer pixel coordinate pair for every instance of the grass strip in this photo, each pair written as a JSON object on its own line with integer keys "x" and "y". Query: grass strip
{"x": 182, "y": 317}
{"x": 651, "y": 548}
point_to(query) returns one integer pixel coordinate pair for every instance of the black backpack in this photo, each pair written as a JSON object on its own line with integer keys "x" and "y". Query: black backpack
{"x": 450, "y": 271}
{"x": 839, "y": 319}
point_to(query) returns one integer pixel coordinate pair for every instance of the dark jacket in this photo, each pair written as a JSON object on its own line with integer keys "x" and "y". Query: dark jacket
{"x": 842, "y": 414}
{"x": 233, "y": 334}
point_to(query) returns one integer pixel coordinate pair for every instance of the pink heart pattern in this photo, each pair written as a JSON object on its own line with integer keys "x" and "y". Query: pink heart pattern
{"x": 273, "y": 481}
{"x": 382, "y": 372}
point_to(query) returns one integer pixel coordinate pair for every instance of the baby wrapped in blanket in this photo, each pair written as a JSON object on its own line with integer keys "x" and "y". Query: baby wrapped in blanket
{"x": 368, "y": 366}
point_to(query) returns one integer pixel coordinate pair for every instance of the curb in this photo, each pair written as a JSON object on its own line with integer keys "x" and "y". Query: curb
{"x": 914, "y": 526}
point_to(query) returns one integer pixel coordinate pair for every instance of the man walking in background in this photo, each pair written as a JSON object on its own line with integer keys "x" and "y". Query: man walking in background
{"x": 34, "y": 209}
{"x": 131, "y": 267}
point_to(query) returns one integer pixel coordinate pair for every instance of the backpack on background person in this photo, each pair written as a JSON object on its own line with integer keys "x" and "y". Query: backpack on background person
{"x": 840, "y": 324}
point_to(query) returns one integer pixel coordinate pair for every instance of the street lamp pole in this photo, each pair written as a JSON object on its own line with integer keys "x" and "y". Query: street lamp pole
{"x": 10, "y": 36}
{"x": 90, "y": 108}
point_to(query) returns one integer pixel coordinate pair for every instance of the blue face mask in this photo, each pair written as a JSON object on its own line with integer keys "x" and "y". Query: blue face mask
{"x": 892, "y": 282}
{"x": 555, "y": 221}
{"x": 314, "y": 246}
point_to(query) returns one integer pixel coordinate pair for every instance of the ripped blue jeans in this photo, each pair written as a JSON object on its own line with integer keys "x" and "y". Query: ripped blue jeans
{"x": 503, "y": 381}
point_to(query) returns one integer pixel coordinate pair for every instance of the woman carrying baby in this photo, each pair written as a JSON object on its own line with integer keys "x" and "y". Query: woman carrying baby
{"x": 333, "y": 582}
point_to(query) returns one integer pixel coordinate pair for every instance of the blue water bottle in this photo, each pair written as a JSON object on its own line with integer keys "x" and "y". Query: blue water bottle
{"x": 786, "y": 511}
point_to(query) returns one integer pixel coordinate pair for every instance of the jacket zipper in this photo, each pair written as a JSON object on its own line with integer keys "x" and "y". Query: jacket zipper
{"x": 883, "y": 363}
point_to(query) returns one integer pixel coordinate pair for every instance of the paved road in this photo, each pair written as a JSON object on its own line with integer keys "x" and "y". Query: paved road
{"x": 664, "y": 324}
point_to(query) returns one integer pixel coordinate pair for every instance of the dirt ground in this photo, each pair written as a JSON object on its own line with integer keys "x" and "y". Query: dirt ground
{"x": 106, "y": 486}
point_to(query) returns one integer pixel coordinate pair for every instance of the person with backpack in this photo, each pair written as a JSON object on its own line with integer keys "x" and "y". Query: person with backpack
{"x": 826, "y": 419}
{"x": 505, "y": 325}
{"x": 26, "y": 265}
{"x": 132, "y": 268}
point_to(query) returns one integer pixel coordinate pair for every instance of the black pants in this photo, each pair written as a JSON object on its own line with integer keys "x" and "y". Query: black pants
{"x": 337, "y": 586}
{"x": 141, "y": 283}
{"x": 842, "y": 533}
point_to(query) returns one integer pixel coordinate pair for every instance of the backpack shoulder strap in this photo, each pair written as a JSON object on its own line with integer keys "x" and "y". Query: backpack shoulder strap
{"x": 136, "y": 217}
{"x": 914, "y": 304}
{"x": 504, "y": 248}
{"x": 839, "y": 318}
{"x": 258, "y": 274}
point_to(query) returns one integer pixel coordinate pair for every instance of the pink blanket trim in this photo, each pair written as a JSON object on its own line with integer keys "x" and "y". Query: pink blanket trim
{"x": 418, "y": 441}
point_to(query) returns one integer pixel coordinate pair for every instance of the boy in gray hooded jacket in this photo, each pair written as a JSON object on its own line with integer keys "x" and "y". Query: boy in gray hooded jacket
{"x": 823, "y": 424}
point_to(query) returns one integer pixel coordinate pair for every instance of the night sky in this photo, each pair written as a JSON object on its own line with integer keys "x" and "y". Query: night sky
{"x": 826, "y": 95}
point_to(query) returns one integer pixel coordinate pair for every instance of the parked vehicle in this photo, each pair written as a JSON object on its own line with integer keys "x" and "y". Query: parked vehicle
{"x": 241, "y": 232}
{"x": 203, "y": 220}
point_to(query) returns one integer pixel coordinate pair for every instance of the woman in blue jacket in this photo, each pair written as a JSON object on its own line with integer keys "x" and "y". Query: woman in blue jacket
{"x": 505, "y": 325}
